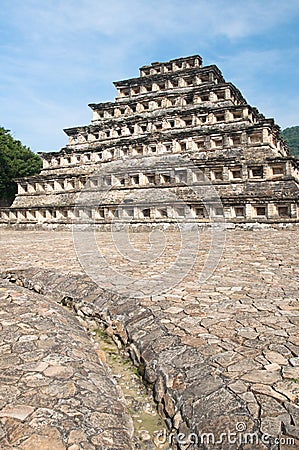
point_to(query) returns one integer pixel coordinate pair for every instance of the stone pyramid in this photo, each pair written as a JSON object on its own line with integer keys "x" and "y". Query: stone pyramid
{"x": 178, "y": 144}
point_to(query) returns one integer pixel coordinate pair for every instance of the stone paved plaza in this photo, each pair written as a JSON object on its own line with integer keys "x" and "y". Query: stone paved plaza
{"x": 222, "y": 355}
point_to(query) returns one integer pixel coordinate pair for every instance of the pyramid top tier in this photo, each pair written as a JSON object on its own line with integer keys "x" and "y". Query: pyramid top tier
{"x": 189, "y": 62}
{"x": 175, "y": 74}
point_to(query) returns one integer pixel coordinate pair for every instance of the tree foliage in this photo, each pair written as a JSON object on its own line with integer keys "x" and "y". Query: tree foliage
{"x": 291, "y": 135}
{"x": 16, "y": 160}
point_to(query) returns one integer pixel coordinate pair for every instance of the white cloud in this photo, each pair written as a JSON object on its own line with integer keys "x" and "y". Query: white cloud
{"x": 125, "y": 17}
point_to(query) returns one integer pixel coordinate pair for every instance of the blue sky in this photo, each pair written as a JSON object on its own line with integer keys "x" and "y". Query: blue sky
{"x": 57, "y": 56}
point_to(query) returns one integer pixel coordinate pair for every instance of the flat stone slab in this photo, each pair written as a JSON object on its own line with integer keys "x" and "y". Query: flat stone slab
{"x": 221, "y": 355}
{"x": 55, "y": 393}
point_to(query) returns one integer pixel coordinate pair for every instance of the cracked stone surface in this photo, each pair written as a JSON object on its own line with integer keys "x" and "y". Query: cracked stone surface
{"x": 221, "y": 356}
{"x": 55, "y": 392}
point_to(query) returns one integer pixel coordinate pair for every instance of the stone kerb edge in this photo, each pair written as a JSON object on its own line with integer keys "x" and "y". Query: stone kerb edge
{"x": 181, "y": 378}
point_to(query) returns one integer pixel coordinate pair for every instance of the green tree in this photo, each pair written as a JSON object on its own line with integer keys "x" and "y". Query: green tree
{"x": 291, "y": 135}
{"x": 16, "y": 160}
